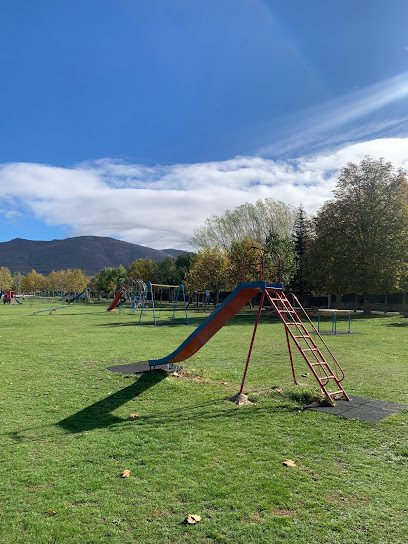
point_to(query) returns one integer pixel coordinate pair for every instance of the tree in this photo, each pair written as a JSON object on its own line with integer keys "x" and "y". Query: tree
{"x": 167, "y": 272}
{"x": 235, "y": 256}
{"x": 33, "y": 280}
{"x": 301, "y": 238}
{"x": 76, "y": 281}
{"x": 208, "y": 271}
{"x": 108, "y": 280}
{"x": 254, "y": 221}
{"x": 361, "y": 235}
{"x": 143, "y": 269}
{"x": 16, "y": 284}
{"x": 183, "y": 264}
{"x": 6, "y": 280}
{"x": 57, "y": 280}
{"x": 285, "y": 247}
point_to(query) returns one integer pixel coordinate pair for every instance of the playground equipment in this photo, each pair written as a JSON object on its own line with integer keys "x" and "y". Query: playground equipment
{"x": 199, "y": 300}
{"x": 334, "y": 320}
{"x": 9, "y": 297}
{"x": 131, "y": 291}
{"x": 322, "y": 363}
{"x": 149, "y": 288}
{"x": 84, "y": 293}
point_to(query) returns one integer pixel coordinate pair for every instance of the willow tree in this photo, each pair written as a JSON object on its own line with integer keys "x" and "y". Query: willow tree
{"x": 361, "y": 235}
{"x": 253, "y": 221}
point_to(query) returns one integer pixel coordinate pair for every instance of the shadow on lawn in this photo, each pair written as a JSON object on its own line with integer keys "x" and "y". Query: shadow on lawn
{"x": 239, "y": 319}
{"x": 99, "y": 415}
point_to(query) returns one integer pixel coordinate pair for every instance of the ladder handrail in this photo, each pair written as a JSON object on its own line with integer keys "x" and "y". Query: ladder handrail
{"x": 294, "y": 297}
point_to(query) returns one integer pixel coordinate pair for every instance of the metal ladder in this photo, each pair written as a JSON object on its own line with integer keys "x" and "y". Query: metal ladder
{"x": 306, "y": 342}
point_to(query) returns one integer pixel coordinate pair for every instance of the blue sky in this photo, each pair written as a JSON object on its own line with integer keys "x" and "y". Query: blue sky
{"x": 139, "y": 119}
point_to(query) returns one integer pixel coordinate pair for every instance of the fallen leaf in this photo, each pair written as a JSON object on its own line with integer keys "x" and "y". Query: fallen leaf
{"x": 305, "y": 375}
{"x": 134, "y": 416}
{"x": 289, "y": 463}
{"x": 192, "y": 519}
{"x": 53, "y": 512}
{"x": 224, "y": 383}
{"x": 125, "y": 474}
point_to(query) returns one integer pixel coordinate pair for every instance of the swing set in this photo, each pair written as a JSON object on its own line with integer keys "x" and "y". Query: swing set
{"x": 174, "y": 298}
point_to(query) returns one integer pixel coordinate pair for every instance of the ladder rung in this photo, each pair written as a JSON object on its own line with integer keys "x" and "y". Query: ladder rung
{"x": 327, "y": 378}
{"x": 319, "y": 363}
{"x": 311, "y": 349}
{"x": 293, "y": 323}
{"x": 336, "y": 393}
{"x": 303, "y": 336}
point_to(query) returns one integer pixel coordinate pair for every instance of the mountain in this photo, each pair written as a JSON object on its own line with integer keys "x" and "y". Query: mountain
{"x": 89, "y": 253}
{"x": 173, "y": 252}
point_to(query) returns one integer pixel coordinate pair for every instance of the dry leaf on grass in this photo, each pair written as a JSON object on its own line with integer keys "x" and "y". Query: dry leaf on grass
{"x": 134, "y": 416}
{"x": 125, "y": 474}
{"x": 289, "y": 463}
{"x": 192, "y": 519}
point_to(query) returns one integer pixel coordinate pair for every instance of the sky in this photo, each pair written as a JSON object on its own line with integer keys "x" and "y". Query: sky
{"x": 139, "y": 119}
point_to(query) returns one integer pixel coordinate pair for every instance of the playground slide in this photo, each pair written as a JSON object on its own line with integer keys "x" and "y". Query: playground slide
{"x": 18, "y": 301}
{"x": 116, "y": 300}
{"x": 78, "y": 295}
{"x": 214, "y": 322}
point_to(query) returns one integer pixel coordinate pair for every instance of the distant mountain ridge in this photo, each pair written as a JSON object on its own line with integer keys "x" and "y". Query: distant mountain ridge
{"x": 89, "y": 253}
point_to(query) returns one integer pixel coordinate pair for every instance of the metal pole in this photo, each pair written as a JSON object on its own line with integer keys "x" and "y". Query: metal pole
{"x": 290, "y": 355}
{"x": 252, "y": 341}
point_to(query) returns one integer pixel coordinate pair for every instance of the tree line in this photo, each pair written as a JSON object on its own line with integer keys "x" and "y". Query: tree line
{"x": 69, "y": 281}
{"x": 356, "y": 243}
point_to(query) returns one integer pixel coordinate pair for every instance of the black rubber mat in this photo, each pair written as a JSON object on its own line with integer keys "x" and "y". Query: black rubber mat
{"x": 141, "y": 368}
{"x": 360, "y": 408}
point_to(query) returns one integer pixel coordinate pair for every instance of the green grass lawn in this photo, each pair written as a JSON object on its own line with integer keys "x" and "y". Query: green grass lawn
{"x": 66, "y": 435}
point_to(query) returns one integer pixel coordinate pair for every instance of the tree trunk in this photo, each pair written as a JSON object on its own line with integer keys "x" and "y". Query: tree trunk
{"x": 386, "y": 304}
{"x": 329, "y": 300}
{"x": 367, "y": 305}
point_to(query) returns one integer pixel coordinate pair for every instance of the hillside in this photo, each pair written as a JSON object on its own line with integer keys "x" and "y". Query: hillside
{"x": 89, "y": 253}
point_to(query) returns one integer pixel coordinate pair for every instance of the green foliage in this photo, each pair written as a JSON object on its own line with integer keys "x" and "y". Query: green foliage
{"x": 143, "y": 269}
{"x": 183, "y": 264}
{"x": 301, "y": 238}
{"x": 209, "y": 270}
{"x": 167, "y": 273}
{"x": 108, "y": 280}
{"x": 285, "y": 247}
{"x": 361, "y": 235}
{"x": 235, "y": 262}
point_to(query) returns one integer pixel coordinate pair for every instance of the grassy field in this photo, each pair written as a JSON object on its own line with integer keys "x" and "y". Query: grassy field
{"x": 67, "y": 434}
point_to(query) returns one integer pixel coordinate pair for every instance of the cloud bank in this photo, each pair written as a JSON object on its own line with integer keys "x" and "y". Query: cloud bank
{"x": 160, "y": 206}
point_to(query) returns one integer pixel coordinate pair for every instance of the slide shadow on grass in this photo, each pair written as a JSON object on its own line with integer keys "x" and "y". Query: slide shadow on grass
{"x": 100, "y": 415}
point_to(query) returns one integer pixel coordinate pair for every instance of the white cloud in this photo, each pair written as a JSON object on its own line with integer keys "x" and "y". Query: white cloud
{"x": 10, "y": 214}
{"x": 159, "y": 206}
{"x": 336, "y": 120}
